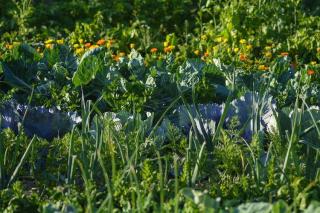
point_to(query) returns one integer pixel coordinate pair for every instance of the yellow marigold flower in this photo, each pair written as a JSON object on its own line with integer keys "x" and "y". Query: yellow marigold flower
{"x": 215, "y": 49}
{"x": 204, "y": 37}
{"x": 154, "y": 50}
{"x": 76, "y": 46}
{"x": 132, "y": 46}
{"x": 268, "y": 48}
{"x": 81, "y": 41}
{"x": 101, "y": 42}
{"x": 49, "y": 41}
{"x": 79, "y": 51}
{"x": 284, "y": 54}
{"x": 196, "y": 52}
{"x": 249, "y": 46}
{"x": 9, "y": 46}
{"x": 93, "y": 47}
{"x": 236, "y": 49}
{"x": 60, "y": 41}
{"x": 313, "y": 62}
{"x": 218, "y": 39}
{"x": 224, "y": 40}
{"x": 110, "y": 42}
{"x": 268, "y": 54}
{"x": 243, "y": 41}
{"x": 165, "y": 44}
{"x": 263, "y": 67}
{"x": 122, "y": 54}
{"x": 49, "y": 46}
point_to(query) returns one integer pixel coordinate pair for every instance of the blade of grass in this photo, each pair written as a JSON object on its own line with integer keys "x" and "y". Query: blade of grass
{"x": 196, "y": 169}
{"x": 70, "y": 151}
{"x": 293, "y": 135}
{"x": 22, "y": 160}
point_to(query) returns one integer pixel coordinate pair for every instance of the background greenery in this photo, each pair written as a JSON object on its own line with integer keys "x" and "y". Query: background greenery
{"x": 124, "y": 66}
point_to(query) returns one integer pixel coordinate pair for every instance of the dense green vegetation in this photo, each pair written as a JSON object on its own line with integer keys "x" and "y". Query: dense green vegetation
{"x": 185, "y": 106}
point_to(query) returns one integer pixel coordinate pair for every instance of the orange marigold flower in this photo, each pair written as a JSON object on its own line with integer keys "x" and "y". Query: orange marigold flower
{"x": 115, "y": 58}
{"x": 169, "y": 48}
{"x": 206, "y": 54}
{"x": 87, "y": 45}
{"x": 242, "y": 57}
{"x": 284, "y": 54}
{"x": 154, "y": 50}
{"x": 93, "y": 47}
{"x": 311, "y": 72}
{"x": 101, "y": 42}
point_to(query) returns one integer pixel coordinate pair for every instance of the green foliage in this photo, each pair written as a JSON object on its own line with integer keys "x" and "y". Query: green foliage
{"x": 125, "y": 66}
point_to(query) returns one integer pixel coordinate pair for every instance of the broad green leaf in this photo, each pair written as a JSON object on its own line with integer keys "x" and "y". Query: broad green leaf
{"x": 280, "y": 207}
{"x": 29, "y": 52}
{"x": 92, "y": 52}
{"x": 86, "y": 71}
{"x": 260, "y": 207}
{"x": 221, "y": 90}
{"x": 12, "y": 79}
{"x": 314, "y": 207}
{"x": 199, "y": 198}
